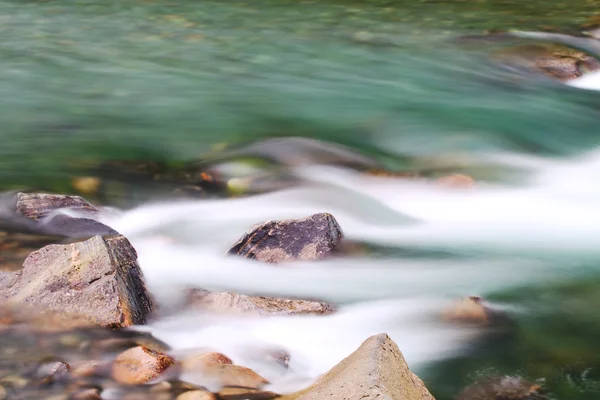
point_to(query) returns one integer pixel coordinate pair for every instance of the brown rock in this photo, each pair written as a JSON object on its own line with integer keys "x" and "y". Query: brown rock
{"x": 140, "y": 365}
{"x": 456, "y": 181}
{"x": 223, "y": 375}
{"x": 226, "y": 302}
{"x": 87, "y": 394}
{"x": 197, "y": 395}
{"x": 204, "y": 361}
{"x": 98, "y": 278}
{"x": 233, "y": 393}
{"x": 471, "y": 310}
{"x": 502, "y": 388}
{"x": 376, "y": 370}
{"x": 38, "y": 205}
{"x": 310, "y": 238}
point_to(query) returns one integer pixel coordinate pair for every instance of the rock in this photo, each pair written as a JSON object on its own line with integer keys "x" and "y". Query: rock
{"x": 203, "y": 361}
{"x": 231, "y": 303}
{"x": 140, "y": 365}
{"x": 310, "y": 238}
{"x": 39, "y": 205}
{"x": 98, "y": 278}
{"x": 223, "y": 375}
{"x": 233, "y": 393}
{"x": 87, "y": 394}
{"x": 472, "y": 310}
{"x": 197, "y": 395}
{"x": 502, "y": 388}
{"x": 50, "y": 372}
{"x": 456, "y": 181}
{"x": 376, "y": 370}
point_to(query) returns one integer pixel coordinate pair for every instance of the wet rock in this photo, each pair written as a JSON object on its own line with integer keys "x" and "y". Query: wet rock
{"x": 215, "y": 371}
{"x": 98, "y": 278}
{"x": 502, "y": 388}
{"x": 39, "y": 205}
{"x": 197, "y": 395}
{"x": 87, "y": 394}
{"x": 42, "y": 207}
{"x": 267, "y": 354}
{"x": 51, "y": 371}
{"x": 472, "y": 310}
{"x": 231, "y": 303}
{"x": 310, "y": 238}
{"x": 203, "y": 361}
{"x": 554, "y": 60}
{"x": 233, "y": 393}
{"x": 140, "y": 365}
{"x": 376, "y": 370}
{"x": 456, "y": 181}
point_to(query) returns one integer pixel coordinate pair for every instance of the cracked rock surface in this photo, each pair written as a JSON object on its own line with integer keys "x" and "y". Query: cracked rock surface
{"x": 98, "y": 278}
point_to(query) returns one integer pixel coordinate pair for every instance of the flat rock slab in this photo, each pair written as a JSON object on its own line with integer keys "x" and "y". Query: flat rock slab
{"x": 310, "y": 238}
{"x": 98, "y": 278}
{"x": 39, "y": 205}
{"x": 232, "y": 303}
{"x": 376, "y": 370}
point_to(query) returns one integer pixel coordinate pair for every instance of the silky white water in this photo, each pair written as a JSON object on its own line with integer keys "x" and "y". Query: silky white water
{"x": 499, "y": 236}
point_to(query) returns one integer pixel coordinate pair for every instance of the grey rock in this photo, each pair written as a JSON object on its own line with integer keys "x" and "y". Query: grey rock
{"x": 39, "y": 205}
{"x": 310, "y": 238}
{"x": 98, "y": 278}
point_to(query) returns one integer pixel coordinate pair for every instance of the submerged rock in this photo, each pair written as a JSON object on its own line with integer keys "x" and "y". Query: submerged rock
{"x": 98, "y": 278}
{"x": 232, "y": 303}
{"x": 310, "y": 238}
{"x": 376, "y": 370}
{"x": 140, "y": 365}
{"x": 472, "y": 309}
{"x": 502, "y": 388}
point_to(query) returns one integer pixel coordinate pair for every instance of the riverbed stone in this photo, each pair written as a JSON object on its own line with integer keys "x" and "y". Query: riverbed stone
{"x": 197, "y": 395}
{"x": 235, "y": 393}
{"x": 232, "y": 303}
{"x": 98, "y": 278}
{"x": 502, "y": 388}
{"x": 376, "y": 370}
{"x": 140, "y": 365}
{"x": 311, "y": 238}
{"x": 39, "y": 205}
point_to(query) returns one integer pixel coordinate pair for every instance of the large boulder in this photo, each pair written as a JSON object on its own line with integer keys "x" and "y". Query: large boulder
{"x": 232, "y": 303}
{"x": 376, "y": 370}
{"x": 311, "y": 238}
{"x": 98, "y": 278}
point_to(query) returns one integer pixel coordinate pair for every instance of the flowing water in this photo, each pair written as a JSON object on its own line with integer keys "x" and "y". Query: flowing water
{"x": 85, "y": 82}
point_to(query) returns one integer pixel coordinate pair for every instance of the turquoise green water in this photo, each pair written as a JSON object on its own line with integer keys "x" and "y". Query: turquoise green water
{"x": 87, "y": 81}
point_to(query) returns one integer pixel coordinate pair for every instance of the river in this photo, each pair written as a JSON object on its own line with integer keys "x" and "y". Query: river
{"x": 84, "y": 82}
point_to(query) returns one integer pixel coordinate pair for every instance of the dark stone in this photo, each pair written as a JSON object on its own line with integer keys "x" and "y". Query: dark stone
{"x": 62, "y": 224}
{"x": 310, "y": 238}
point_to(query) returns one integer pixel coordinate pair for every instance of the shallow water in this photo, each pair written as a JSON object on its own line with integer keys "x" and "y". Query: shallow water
{"x": 83, "y": 82}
